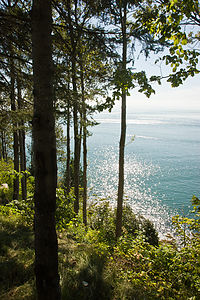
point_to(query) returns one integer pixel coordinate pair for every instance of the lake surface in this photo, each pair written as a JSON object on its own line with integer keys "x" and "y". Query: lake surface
{"x": 162, "y": 164}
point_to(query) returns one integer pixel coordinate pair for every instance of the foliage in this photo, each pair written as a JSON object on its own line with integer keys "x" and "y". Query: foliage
{"x": 91, "y": 266}
{"x": 64, "y": 210}
{"x": 125, "y": 80}
{"x": 16, "y": 260}
{"x": 5, "y": 170}
{"x": 163, "y": 272}
{"x": 24, "y": 208}
{"x": 7, "y": 175}
{"x": 102, "y": 218}
{"x": 63, "y": 178}
{"x": 170, "y": 21}
{"x": 188, "y": 229}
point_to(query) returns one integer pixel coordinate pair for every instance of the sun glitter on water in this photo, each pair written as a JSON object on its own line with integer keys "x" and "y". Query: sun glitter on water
{"x": 139, "y": 178}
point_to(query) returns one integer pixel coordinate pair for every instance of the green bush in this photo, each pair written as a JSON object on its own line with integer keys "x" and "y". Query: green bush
{"x": 64, "y": 208}
{"x": 142, "y": 271}
{"x": 25, "y": 208}
{"x": 102, "y": 217}
{"x": 6, "y": 169}
{"x": 188, "y": 229}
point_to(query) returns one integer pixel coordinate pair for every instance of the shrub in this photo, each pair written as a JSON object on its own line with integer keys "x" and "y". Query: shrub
{"x": 6, "y": 169}
{"x": 64, "y": 210}
{"x": 102, "y": 217}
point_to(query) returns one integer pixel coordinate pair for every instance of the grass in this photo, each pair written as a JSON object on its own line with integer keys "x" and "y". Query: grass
{"x": 16, "y": 260}
{"x": 81, "y": 269}
{"x": 133, "y": 269}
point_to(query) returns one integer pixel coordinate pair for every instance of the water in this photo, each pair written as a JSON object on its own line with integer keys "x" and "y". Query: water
{"x": 162, "y": 164}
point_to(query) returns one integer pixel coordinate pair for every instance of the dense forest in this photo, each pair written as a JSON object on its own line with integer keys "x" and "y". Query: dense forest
{"x": 62, "y": 62}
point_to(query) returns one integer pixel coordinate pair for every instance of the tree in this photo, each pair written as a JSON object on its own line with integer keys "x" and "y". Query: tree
{"x": 85, "y": 55}
{"x": 177, "y": 23}
{"x": 46, "y": 248}
{"x": 15, "y": 56}
{"x": 125, "y": 79}
{"x": 123, "y": 21}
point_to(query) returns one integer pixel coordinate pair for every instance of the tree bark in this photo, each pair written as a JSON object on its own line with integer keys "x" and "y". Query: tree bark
{"x": 22, "y": 143}
{"x": 84, "y": 146}
{"x": 15, "y": 132}
{"x": 68, "y": 177}
{"x": 3, "y": 152}
{"x": 76, "y": 140}
{"x": 75, "y": 111}
{"x": 123, "y": 129}
{"x": 46, "y": 246}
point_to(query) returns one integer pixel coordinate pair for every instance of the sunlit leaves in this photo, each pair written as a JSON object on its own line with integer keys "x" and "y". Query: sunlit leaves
{"x": 170, "y": 21}
{"x": 125, "y": 80}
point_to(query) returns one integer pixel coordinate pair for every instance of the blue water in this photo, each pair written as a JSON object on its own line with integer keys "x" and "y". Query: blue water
{"x": 162, "y": 164}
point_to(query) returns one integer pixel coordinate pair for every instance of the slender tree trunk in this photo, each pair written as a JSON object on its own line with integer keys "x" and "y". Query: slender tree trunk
{"x": 32, "y": 159}
{"x": 22, "y": 143}
{"x": 75, "y": 111}
{"x": 23, "y": 162}
{"x": 84, "y": 147}
{"x": 3, "y": 146}
{"x": 76, "y": 141}
{"x": 15, "y": 132}
{"x": 68, "y": 177}
{"x": 46, "y": 247}
{"x": 123, "y": 131}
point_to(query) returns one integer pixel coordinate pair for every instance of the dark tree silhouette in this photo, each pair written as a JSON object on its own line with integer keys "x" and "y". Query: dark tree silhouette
{"x": 46, "y": 248}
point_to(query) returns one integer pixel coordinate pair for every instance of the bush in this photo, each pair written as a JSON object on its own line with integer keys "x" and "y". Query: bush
{"x": 64, "y": 208}
{"x": 25, "y": 208}
{"x": 102, "y": 217}
{"x": 6, "y": 169}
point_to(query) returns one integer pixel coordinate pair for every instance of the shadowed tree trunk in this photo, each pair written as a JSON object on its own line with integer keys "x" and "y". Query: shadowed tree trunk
{"x": 84, "y": 145}
{"x": 77, "y": 138}
{"x": 22, "y": 147}
{"x": 15, "y": 132}
{"x": 46, "y": 247}
{"x": 68, "y": 176}
{"x": 123, "y": 127}
{"x": 3, "y": 152}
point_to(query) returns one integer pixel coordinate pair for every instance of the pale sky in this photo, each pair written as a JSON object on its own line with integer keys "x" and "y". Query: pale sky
{"x": 186, "y": 97}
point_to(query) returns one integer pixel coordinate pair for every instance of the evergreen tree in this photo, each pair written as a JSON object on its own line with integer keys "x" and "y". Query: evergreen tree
{"x": 46, "y": 247}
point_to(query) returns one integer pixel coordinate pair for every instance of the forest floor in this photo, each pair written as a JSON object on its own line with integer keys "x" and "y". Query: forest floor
{"x": 91, "y": 269}
{"x": 79, "y": 267}
{"x": 16, "y": 260}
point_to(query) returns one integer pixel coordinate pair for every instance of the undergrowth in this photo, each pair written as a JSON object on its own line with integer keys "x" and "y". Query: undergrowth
{"x": 94, "y": 266}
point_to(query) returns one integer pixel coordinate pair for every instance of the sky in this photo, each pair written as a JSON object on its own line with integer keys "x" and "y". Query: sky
{"x": 166, "y": 98}
{"x": 186, "y": 97}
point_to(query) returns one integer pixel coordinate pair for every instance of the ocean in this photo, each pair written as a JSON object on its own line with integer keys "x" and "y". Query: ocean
{"x": 162, "y": 163}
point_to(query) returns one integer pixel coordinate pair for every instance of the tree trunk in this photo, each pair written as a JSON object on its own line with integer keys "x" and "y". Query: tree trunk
{"x": 84, "y": 147}
{"x": 15, "y": 133}
{"x": 123, "y": 131}
{"x": 68, "y": 177}
{"x": 85, "y": 174}
{"x": 23, "y": 162}
{"x": 3, "y": 151}
{"x": 2, "y": 146}
{"x": 46, "y": 247}
{"x": 76, "y": 141}
{"x": 22, "y": 143}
